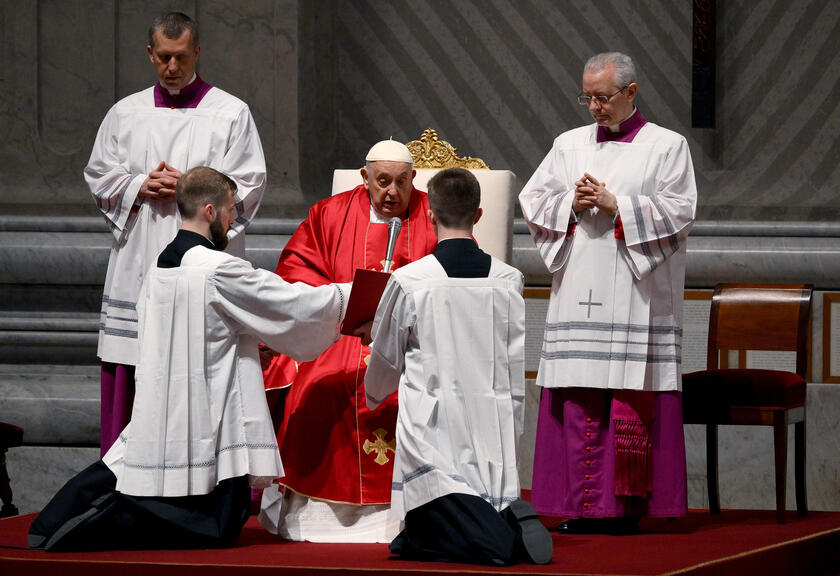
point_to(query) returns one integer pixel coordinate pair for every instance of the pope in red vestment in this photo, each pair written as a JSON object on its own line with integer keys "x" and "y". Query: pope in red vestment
{"x": 334, "y": 448}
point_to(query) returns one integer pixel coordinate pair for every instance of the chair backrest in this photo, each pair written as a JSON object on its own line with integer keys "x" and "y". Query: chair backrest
{"x": 759, "y": 317}
{"x": 494, "y": 232}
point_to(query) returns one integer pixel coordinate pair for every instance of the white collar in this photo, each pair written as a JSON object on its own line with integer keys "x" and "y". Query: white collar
{"x": 615, "y": 127}
{"x": 176, "y": 92}
{"x": 376, "y": 218}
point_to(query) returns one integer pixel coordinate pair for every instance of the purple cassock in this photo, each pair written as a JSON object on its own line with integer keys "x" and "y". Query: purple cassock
{"x": 117, "y": 380}
{"x": 575, "y": 452}
{"x": 574, "y": 459}
{"x": 117, "y": 393}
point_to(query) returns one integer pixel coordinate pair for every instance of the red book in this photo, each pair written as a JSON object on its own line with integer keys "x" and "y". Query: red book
{"x": 368, "y": 286}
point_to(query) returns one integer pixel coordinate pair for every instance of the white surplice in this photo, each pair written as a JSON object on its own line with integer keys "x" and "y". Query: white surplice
{"x": 615, "y": 314}
{"x": 455, "y": 349}
{"x": 200, "y": 415}
{"x": 133, "y": 139}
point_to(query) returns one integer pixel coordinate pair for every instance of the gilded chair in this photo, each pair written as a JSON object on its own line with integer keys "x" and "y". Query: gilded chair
{"x": 753, "y": 317}
{"x": 494, "y": 232}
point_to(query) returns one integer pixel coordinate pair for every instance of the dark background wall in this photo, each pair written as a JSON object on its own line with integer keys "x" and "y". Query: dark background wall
{"x": 497, "y": 78}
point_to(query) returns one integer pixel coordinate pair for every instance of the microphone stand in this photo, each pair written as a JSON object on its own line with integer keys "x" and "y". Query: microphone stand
{"x": 394, "y": 225}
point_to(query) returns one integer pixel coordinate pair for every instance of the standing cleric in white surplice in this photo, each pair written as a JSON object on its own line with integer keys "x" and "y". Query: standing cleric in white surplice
{"x": 132, "y": 139}
{"x": 449, "y": 334}
{"x": 610, "y": 208}
{"x": 143, "y": 145}
{"x": 181, "y": 472}
{"x": 616, "y": 320}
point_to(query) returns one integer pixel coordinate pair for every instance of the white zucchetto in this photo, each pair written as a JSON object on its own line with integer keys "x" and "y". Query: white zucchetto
{"x": 389, "y": 151}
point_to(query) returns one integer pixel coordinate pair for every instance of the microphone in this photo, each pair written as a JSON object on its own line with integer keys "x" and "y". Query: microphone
{"x": 394, "y": 225}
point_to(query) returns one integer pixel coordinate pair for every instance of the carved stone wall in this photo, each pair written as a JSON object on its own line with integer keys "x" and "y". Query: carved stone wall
{"x": 499, "y": 78}
{"x": 496, "y": 78}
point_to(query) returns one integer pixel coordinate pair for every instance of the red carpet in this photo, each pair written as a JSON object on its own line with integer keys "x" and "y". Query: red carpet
{"x": 734, "y": 542}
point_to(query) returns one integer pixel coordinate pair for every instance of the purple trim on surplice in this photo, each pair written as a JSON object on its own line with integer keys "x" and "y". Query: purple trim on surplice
{"x": 627, "y": 130}
{"x": 572, "y": 482}
{"x": 189, "y": 97}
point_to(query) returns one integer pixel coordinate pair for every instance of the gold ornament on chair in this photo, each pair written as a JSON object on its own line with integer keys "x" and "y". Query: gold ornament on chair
{"x": 432, "y": 152}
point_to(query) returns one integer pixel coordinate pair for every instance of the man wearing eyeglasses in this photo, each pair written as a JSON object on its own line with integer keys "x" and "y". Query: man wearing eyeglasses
{"x": 609, "y": 209}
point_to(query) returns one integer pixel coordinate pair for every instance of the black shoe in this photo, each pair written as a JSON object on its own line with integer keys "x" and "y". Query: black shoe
{"x": 622, "y": 526}
{"x": 566, "y": 527}
{"x": 533, "y": 542}
{"x": 577, "y": 526}
{"x": 625, "y": 526}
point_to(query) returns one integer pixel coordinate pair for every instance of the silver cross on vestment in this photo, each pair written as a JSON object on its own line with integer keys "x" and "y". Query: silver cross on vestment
{"x": 590, "y": 304}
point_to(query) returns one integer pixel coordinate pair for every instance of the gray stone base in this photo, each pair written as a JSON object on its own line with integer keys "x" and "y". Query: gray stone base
{"x": 37, "y": 472}
{"x": 746, "y": 461}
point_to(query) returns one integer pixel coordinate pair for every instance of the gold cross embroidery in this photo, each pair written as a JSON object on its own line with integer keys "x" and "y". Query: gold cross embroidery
{"x": 380, "y": 446}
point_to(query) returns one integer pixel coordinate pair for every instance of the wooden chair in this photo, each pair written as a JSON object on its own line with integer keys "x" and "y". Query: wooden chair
{"x": 746, "y": 317}
{"x": 10, "y": 437}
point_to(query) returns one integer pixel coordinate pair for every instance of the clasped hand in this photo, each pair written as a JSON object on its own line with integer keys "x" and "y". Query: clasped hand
{"x": 161, "y": 182}
{"x": 590, "y": 193}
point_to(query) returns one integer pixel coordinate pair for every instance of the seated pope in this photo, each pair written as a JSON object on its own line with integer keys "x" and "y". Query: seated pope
{"x": 338, "y": 456}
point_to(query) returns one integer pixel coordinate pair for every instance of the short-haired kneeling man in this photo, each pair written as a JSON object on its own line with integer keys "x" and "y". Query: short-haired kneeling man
{"x": 450, "y": 333}
{"x": 201, "y": 436}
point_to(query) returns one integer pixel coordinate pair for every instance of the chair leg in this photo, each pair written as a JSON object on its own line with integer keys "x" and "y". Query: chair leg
{"x": 712, "y": 467}
{"x": 8, "y": 508}
{"x": 780, "y": 448}
{"x": 799, "y": 468}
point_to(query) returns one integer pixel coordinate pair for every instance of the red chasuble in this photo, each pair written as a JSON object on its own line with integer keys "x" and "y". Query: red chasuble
{"x": 332, "y": 446}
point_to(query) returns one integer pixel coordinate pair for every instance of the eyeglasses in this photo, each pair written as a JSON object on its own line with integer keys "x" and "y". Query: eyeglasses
{"x": 584, "y": 99}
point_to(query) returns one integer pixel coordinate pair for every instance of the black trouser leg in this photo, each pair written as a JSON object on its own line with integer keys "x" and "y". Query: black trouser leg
{"x": 88, "y": 514}
{"x": 456, "y": 528}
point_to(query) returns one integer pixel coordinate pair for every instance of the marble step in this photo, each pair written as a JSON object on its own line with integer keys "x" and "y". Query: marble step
{"x": 49, "y": 321}
{"x": 74, "y": 253}
{"x": 55, "y": 405}
{"x": 48, "y": 337}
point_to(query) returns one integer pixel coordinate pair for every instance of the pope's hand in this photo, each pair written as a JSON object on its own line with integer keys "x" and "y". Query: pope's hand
{"x": 363, "y": 332}
{"x": 266, "y": 356}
